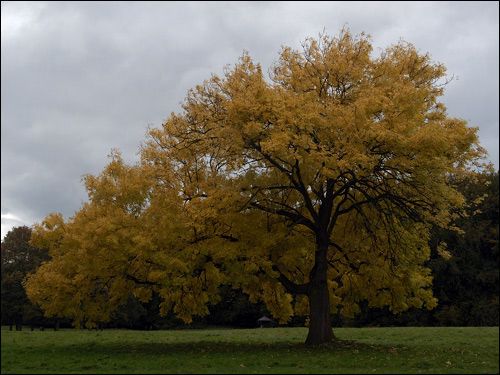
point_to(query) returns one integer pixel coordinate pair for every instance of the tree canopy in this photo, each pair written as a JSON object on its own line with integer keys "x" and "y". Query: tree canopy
{"x": 311, "y": 190}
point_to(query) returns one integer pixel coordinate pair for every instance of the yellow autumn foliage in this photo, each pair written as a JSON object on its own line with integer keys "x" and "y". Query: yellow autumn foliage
{"x": 326, "y": 175}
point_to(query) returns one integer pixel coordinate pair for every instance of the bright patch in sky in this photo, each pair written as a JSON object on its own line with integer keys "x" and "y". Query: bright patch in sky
{"x": 9, "y": 221}
{"x": 9, "y": 216}
{"x": 17, "y": 18}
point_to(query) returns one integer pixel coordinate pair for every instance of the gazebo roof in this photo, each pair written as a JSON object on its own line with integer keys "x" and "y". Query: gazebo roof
{"x": 264, "y": 319}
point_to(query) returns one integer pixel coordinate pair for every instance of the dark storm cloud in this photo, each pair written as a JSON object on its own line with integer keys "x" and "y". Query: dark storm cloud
{"x": 79, "y": 79}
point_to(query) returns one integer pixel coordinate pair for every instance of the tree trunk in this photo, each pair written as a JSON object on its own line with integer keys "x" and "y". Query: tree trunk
{"x": 320, "y": 325}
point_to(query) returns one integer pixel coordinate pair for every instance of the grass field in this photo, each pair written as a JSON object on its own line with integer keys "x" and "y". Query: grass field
{"x": 276, "y": 350}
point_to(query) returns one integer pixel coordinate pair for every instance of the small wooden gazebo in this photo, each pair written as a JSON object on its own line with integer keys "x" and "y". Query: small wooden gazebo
{"x": 266, "y": 322}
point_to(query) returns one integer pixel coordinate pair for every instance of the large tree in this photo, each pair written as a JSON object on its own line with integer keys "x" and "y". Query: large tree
{"x": 311, "y": 191}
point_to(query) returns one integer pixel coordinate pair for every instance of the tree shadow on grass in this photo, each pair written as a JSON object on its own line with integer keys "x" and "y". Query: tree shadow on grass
{"x": 222, "y": 347}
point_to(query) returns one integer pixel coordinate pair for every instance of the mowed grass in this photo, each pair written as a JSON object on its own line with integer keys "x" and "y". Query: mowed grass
{"x": 273, "y": 350}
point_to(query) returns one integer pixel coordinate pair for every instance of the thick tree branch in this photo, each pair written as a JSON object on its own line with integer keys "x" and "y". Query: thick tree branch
{"x": 289, "y": 285}
{"x": 294, "y": 217}
{"x": 303, "y": 190}
{"x": 142, "y": 282}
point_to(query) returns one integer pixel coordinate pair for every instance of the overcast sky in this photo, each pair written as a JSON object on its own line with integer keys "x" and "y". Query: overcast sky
{"x": 78, "y": 79}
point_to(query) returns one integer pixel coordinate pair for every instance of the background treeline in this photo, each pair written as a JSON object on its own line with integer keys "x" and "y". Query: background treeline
{"x": 466, "y": 279}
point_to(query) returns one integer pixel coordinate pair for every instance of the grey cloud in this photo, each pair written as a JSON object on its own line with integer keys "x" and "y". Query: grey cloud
{"x": 81, "y": 78}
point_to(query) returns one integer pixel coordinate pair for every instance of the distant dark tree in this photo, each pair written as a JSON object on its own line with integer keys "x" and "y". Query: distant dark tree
{"x": 19, "y": 258}
{"x": 235, "y": 309}
{"x": 466, "y": 276}
{"x": 467, "y": 284}
{"x": 134, "y": 314}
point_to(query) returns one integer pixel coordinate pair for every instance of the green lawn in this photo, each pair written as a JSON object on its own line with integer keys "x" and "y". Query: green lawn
{"x": 276, "y": 350}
